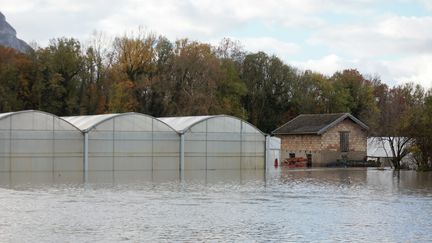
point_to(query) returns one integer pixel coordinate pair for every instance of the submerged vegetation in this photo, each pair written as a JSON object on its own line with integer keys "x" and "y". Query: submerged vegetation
{"x": 153, "y": 75}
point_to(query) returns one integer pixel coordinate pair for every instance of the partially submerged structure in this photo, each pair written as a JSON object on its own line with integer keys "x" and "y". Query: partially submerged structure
{"x": 218, "y": 142}
{"x": 39, "y": 141}
{"x": 127, "y": 141}
{"x": 380, "y": 149}
{"x": 323, "y": 138}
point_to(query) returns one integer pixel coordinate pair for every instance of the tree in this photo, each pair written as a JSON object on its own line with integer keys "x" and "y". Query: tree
{"x": 421, "y": 131}
{"x": 95, "y": 84}
{"x": 195, "y": 75}
{"x": 395, "y": 119}
{"x": 228, "y": 49}
{"x": 163, "y": 79}
{"x": 359, "y": 94}
{"x": 18, "y": 78}
{"x": 121, "y": 97}
{"x": 230, "y": 90}
{"x": 316, "y": 93}
{"x": 135, "y": 55}
{"x": 255, "y": 75}
{"x": 381, "y": 96}
{"x": 134, "y": 59}
{"x": 399, "y": 148}
{"x": 60, "y": 65}
{"x": 270, "y": 85}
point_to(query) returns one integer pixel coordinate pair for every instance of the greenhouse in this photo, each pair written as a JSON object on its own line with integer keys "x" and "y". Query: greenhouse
{"x": 128, "y": 141}
{"x": 39, "y": 141}
{"x": 218, "y": 142}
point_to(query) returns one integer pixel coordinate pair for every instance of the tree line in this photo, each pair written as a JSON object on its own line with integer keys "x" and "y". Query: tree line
{"x": 150, "y": 74}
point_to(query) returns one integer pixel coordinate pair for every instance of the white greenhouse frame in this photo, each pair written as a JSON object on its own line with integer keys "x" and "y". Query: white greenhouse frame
{"x": 127, "y": 142}
{"x": 218, "y": 142}
{"x": 38, "y": 141}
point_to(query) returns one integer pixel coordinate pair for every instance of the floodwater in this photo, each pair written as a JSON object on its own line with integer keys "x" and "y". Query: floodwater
{"x": 280, "y": 205}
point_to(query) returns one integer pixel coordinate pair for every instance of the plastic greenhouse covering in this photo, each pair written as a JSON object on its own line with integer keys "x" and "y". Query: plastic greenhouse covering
{"x": 129, "y": 141}
{"x": 39, "y": 141}
{"x": 219, "y": 142}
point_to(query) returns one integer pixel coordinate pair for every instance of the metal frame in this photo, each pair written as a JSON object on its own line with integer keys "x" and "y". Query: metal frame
{"x": 200, "y": 120}
{"x": 85, "y": 132}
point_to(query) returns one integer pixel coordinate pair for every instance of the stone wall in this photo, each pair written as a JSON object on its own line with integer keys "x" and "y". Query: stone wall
{"x": 301, "y": 142}
{"x": 301, "y": 146}
{"x": 357, "y": 137}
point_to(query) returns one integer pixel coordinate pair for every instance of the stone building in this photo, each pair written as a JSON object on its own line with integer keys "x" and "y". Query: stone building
{"x": 323, "y": 138}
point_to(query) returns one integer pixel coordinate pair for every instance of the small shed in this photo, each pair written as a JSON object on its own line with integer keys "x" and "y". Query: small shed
{"x": 323, "y": 138}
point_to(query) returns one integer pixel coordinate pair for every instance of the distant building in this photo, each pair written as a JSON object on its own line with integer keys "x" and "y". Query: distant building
{"x": 324, "y": 138}
{"x": 379, "y": 149}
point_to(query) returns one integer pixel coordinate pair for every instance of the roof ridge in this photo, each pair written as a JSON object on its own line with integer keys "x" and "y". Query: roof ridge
{"x": 323, "y": 114}
{"x": 315, "y": 123}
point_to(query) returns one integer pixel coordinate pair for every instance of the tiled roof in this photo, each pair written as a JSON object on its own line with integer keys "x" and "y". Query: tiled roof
{"x": 315, "y": 123}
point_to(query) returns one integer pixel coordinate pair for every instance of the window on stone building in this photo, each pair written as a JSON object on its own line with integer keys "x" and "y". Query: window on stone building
{"x": 344, "y": 141}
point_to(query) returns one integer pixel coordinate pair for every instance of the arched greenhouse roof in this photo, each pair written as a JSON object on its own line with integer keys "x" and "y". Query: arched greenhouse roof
{"x": 183, "y": 123}
{"x": 87, "y": 123}
{"x": 10, "y": 114}
{"x": 4, "y": 115}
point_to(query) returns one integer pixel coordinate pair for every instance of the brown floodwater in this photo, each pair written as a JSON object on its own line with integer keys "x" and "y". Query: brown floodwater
{"x": 279, "y": 205}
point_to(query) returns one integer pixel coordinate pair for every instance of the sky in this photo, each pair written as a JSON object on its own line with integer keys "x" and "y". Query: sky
{"x": 391, "y": 39}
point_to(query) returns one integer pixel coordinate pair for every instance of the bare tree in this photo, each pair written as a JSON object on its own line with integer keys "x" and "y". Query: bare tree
{"x": 399, "y": 148}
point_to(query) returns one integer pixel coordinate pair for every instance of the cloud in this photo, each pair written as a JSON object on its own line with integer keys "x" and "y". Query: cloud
{"x": 207, "y": 19}
{"x": 271, "y": 46}
{"x": 41, "y": 20}
{"x": 416, "y": 69}
{"x": 327, "y": 65}
{"x": 396, "y": 35}
{"x": 427, "y": 4}
{"x": 201, "y": 19}
{"x": 401, "y": 27}
{"x": 397, "y": 48}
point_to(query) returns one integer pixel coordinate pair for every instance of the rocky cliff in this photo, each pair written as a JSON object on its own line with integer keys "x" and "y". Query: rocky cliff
{"x": 8, "y": 36}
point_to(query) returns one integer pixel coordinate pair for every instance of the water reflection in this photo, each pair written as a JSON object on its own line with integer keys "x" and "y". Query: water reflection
{"x": 37, "y": 179}
{"x": 388, "y": 181}
{"x": 278, "y": 205}
{"x": 29, "y": 179}
{"x": 401, "y": 181}
{"x": 396, "y": 181}
{"x": 325, "y": 176}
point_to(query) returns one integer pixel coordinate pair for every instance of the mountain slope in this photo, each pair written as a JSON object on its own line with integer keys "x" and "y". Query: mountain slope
{"x": 8, "y": 36}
